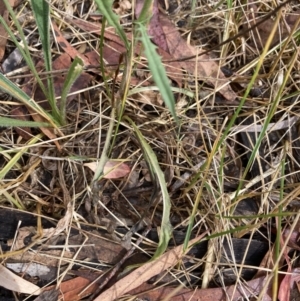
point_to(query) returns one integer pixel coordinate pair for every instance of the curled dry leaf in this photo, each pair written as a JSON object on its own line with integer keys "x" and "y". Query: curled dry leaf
{"x": 112, "y": 169}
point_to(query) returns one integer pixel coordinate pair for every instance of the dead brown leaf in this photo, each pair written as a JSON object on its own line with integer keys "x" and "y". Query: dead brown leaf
{"x": 65, "y": 45}
{"x": 206, "y": 70}
{"x": 75, "y": 289}
{"x": 112, "y": 169}
{"x": 293, "y": 237}
{"x": 284, "y": 288}
{"x": 260, "y": 35}
{"x": 62, "y": 62}
{"x": 114, "y": 47}
{"x": 155, "y": 30}
{"x": 3, "y": 33}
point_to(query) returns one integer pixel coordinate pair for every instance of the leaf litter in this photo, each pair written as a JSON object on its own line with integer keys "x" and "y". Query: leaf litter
{"x": 88, "y": 239}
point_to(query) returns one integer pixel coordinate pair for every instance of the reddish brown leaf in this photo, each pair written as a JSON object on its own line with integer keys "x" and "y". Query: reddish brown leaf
{"x": 113, "y": 46}
{"x": 93, "y": 58}
{"x": 62, "y": 62}
{"x": 155, "y": 30}
{"x": 112, "y": 52}
{"x": 173, "y": 69}
{"x": 284, "y": 288}
{"x": 293, "y": 238}
{"x": 65, "y": 45}
{"x": 295, "y": 276}
{"x": 75, "y": 289}
{"x": 49, "y": 132}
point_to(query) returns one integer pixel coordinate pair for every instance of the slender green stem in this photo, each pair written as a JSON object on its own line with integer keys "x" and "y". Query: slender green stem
{"x": 104, "y": 157}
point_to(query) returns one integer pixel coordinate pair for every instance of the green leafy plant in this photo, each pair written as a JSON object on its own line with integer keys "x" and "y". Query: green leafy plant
{"x": 57, "y": 116}
{"x": 154, "y": 61}
{"x": 158, "y": 71}
{"x": 105, "y": 8}
{"x": 158, "y": 180}
{"x": 160, "y": 78}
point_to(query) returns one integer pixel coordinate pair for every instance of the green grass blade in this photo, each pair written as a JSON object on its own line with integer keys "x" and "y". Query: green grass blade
{"x": 73, "y": 73}
{"x": 8, "y": 122}
{"x": 13, "y": 201}
{"x": 41, "y": 13}
{"x": 158, "y": 179}
{"x": 7, "y": 86}
{"x": 146, "y": 12}
{"x": 158, "y": 71}
{"x": 11, "y": 163}
{"x": 278, "y": 240}
{"x": 106, "y": 9}
{"x": 23, "y": 49}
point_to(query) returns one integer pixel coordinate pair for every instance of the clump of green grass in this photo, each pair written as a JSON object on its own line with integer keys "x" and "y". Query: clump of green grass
{"x": 57, "y": 115}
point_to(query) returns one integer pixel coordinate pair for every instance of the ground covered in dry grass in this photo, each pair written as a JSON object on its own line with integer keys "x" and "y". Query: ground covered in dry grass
{"x": 131, "y": 197}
